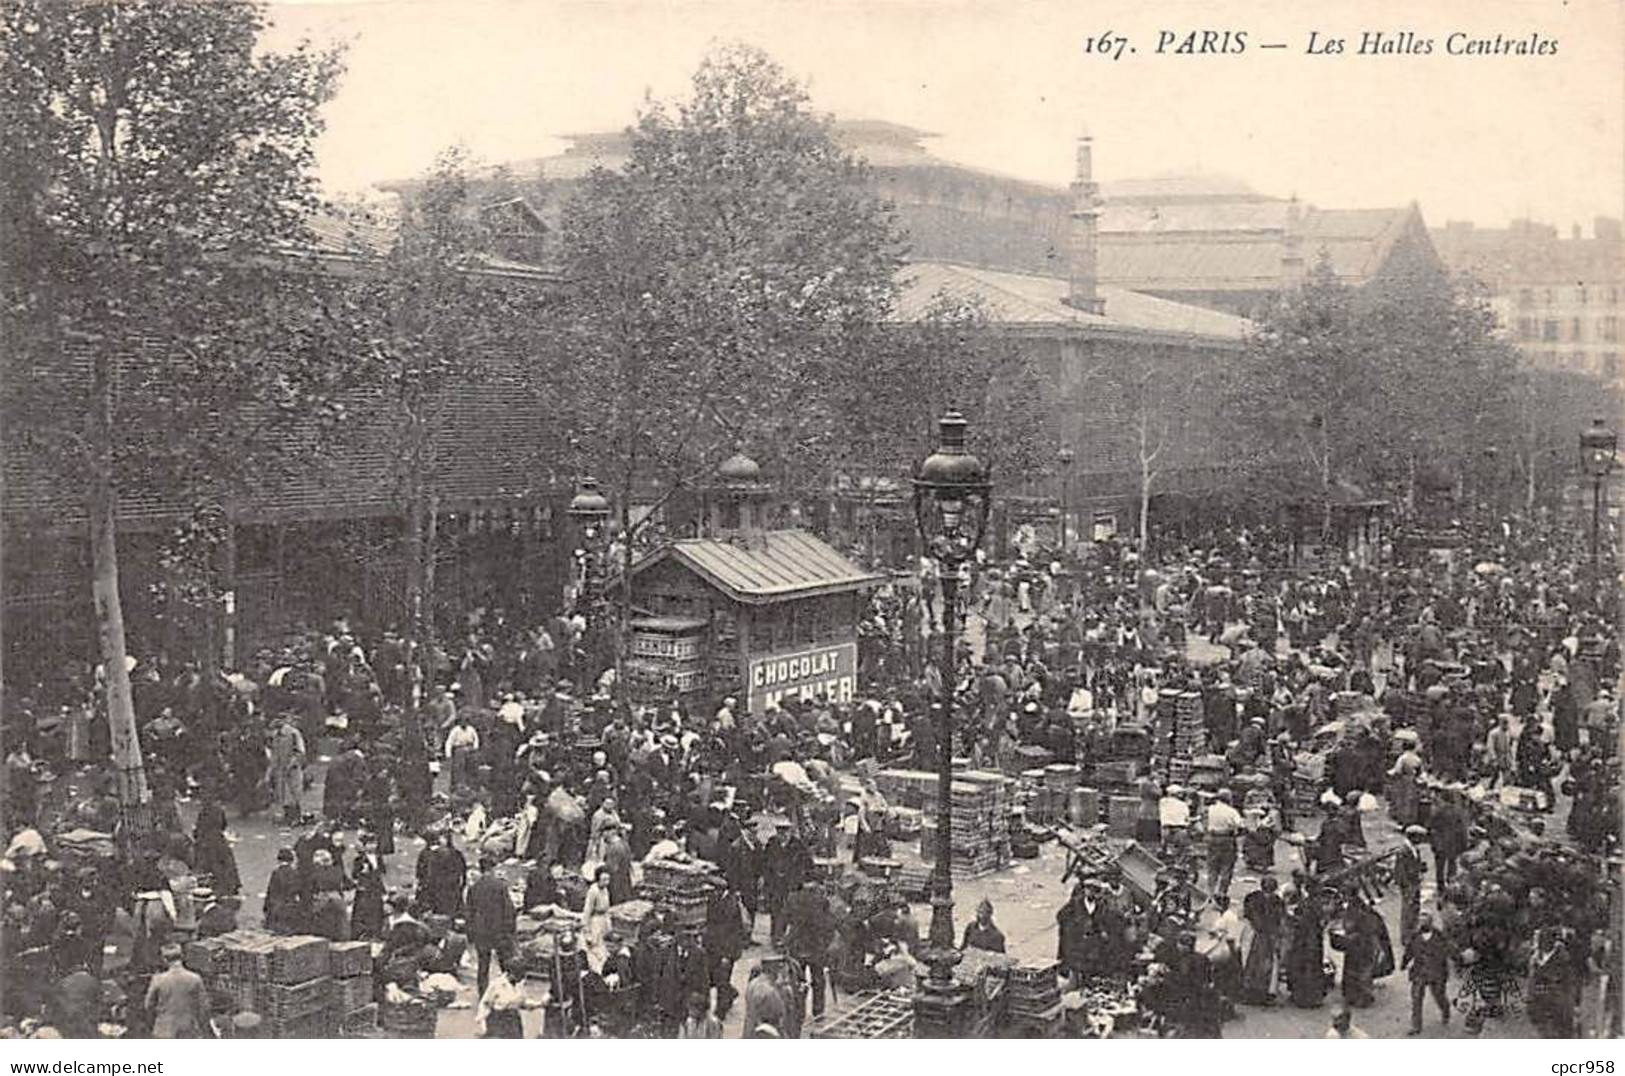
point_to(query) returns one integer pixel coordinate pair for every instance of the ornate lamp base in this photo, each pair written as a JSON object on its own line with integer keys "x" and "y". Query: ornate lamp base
{"x": 941, "y": 1002}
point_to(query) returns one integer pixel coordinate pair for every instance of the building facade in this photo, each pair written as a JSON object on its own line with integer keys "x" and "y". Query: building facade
{"x": 1560, "y": 300}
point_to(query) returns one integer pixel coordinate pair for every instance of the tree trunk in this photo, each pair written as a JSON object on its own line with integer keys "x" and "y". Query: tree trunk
{"x": 624, "y": 636}
{"x": 418, "y": 669}
{"x": 226, "y": 656}
{"x": 133, "y": 794}
{"x": 1145, "y": 510}
{"x": 431, "y": 536}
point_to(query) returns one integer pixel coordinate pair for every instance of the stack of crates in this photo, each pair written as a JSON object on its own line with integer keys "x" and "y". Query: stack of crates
{"x": 350, "y": 967}
{"x": 1035, "y": 1010}
{"x": 285, "y": 980}
{"x": 681, "y": 890}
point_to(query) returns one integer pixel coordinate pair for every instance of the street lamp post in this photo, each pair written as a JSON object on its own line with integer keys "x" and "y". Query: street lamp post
{"x": 1064, "y": 456}
{"x": 589, "y": 508}
{"x": 1598, "y": 446}
{"x": 951, "y": 498}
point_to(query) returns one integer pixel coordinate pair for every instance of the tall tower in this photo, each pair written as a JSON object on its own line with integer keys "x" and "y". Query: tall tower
{"x": 1083, "y": 253}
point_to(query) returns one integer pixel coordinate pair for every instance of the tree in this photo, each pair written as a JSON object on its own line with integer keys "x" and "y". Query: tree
{"x": 896, "y": 381}
{"x": 434, "y": 327}
{"x": 715, "y": 278}
{"x": 1340, "y": 385}
{"x": 153, "y": 164}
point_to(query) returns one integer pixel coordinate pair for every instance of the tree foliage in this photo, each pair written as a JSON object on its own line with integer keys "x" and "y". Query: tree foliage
{"x": 1367, "y": 386}
{"x": 717, "y": 278}
{"x": 153, "y": 166}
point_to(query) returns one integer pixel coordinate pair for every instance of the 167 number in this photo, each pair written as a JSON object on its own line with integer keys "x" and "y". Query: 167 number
{"x": 1109, "y": 45}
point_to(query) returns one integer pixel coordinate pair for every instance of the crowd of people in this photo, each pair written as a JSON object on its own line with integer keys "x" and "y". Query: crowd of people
{"x": 522, "y": 769}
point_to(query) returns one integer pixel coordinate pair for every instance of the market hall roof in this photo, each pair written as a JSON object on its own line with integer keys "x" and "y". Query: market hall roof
{"x": 766, "y": 566}
{"x": 1026, "y": 299}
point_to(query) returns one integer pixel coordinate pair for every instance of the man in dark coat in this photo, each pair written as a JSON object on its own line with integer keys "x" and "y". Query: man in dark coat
{"x": 285, "y": 896}
{"x": 491, "y": 919}
{"x": 1428, "y": 957}
{"x": 809, "y": 929}
{"x": 1447, "y": 833}
{"x": 441, "y": 874}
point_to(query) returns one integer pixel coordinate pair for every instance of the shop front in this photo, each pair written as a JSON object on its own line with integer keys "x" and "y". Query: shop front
{"x": 763, "y": 616}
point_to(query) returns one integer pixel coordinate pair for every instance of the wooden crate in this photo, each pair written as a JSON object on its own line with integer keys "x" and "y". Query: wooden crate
{"x": 352, "y": 993}
{"x": 282, "y": 1002}
{"x": 408, "y": 1020}
{"x": 873, "y": 1016}
{"x": 361, "y": 1023}
{"x": 345, "y": 959}
{"x": 297, "y": 960}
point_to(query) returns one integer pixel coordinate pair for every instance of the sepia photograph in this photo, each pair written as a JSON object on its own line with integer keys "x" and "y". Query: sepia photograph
{"x": 716, "y": 519}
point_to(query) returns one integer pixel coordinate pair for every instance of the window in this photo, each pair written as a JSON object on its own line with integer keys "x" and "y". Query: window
{"x": 1548, "y": 330}
{"x": 1608, "y": 329}
{"x": 1580, "y": 294}
{"x": 1526, "y": 328}
{"x": 1576, "y": 330}
{"x": 1610, "y": 365}
{"x": 1548, "y": 296}
{"x": 1580, "y": 364}
{"x": 1526, "y": 298}
{"x": 1613, "y": 296}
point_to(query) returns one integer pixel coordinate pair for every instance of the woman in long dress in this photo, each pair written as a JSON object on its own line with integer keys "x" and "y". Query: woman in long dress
{"x": 211, "y": 852}
{"x": 1306, "y": 954}
{"x": 595, "y": 916}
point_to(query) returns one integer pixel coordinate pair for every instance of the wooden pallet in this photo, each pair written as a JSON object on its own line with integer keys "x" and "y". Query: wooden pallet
{"x": 874, "y": 1016}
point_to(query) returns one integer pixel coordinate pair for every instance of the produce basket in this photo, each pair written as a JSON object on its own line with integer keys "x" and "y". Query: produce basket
{"x": 408, "y": 1019}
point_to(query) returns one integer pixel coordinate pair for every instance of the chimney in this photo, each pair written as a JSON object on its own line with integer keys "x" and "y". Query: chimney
{"x": 1083, "y": 253}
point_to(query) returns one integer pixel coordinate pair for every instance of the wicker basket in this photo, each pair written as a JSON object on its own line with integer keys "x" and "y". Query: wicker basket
{"x": 408, "y": 1020}
{"x": 352, "y": 994}
{"x": 345, "y": 959}
{"x": 297, "y": 960}
{"x": 361, "y": 1023}
{"x": 279, "y": 1002}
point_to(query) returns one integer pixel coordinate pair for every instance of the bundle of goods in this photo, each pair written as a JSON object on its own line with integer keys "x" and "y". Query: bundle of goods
{"x": 1035, "y": 1000}
{"x": 887, "y": 1015}
{"x": 1103, "y": 1006}
{"x": 1030, "y": 757}
{"x": 286, "y": 980}
{"x": 681, "y": 888}
{"x": 903, "y": 823}
{"x": 533, "y": 953}
{"x": 627, "y": 918}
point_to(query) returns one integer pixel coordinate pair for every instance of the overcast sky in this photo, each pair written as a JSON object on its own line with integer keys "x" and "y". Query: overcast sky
{"x": 1008, "y": 84}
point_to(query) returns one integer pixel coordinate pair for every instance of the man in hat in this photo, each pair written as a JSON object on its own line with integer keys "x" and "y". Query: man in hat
{"x": 1408, "y": 871}
{"x": 1222, "y": 826}
{"x": 809, "y": 929}
{"x": 1427, "y": 955}
{"x": 491, "y": 919}
{"x": 981, "y": 933}
{"x": 462, "y": 747}
{"x": 1174, "y": 817}
{"x": 177, "y": 1001}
